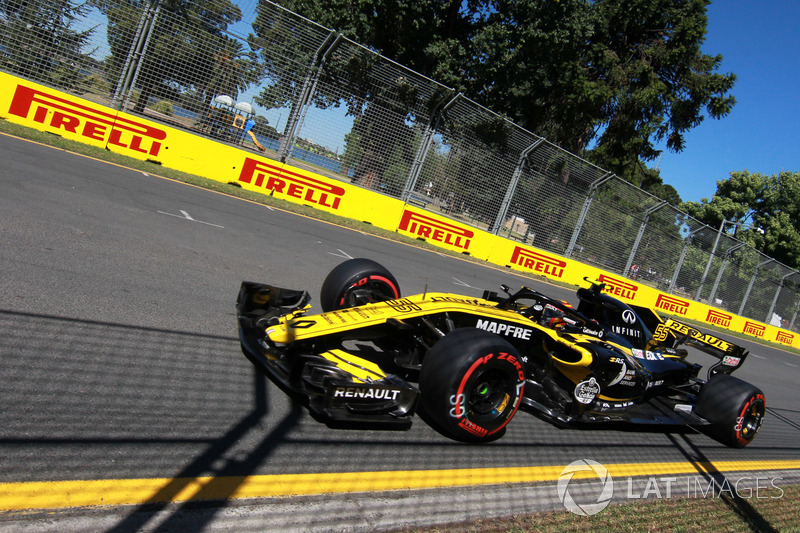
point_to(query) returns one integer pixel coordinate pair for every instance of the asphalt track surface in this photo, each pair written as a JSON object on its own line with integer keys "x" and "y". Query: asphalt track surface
{"x": 119, "y": 357}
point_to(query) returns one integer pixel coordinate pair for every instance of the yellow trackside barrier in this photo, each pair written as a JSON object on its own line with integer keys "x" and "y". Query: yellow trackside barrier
{"x": 50, "y": 110}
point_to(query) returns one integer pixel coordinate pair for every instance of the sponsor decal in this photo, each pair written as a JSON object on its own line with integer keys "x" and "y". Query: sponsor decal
{"x": 751, "y": 328}
{"x": 537, "y": 262}
{"x": 472, "y": 427}
{"x": 508, "y": 330}
{"x": 626, "y": 332}
{"x": 661, "y": 333}
{"x": 436, "y": 229}
{"x": 586, "y": 391}
{"x": 656, "y": 383}
{"x": 705, "y": 338}
{"x": 371, "y": 393}
{"x": 785, "y": 338}
{"x": 623, "y": 373}
{"x": 628, "y": 316}
{"x": 403, "y": 306}
{"x": 302, "y": 324}
{"x": 279, "y": 180}
{"x": 58, "y": 113}
{"x": 719, "y": 318}
{"x": 672, "y": 304}
{"x": 593, "y": 332}
{"x": 618, "y": 287}
{"x": 729, "y": 360}
{"x": 605, "y": 406}
{"x": 452, "y": 299}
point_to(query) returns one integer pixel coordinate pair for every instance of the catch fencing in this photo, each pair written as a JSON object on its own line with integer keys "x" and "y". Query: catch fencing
{"x": 310, "y": 96}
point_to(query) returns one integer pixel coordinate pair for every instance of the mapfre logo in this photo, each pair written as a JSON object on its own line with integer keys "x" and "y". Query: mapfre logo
{"x": 278, "y": 180}
{"x": 433, "y": 228}
{"x": 61, "y": 114}
{"x": 751, "y": 328}
{"x": 785, "y": 338}
{"x": 672, "y": 304}
{"x": 719, "y": 318}
{"x": 619, "y": 288}
{"x": 538, "y": 262}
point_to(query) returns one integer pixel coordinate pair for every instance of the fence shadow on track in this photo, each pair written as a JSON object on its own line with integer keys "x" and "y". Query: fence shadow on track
{"x": 735, "y": 502}
{"x": 93, "y": 400}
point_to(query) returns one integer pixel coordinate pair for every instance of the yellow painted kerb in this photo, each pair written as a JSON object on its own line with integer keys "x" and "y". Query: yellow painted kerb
{"x": 83, "y": 493}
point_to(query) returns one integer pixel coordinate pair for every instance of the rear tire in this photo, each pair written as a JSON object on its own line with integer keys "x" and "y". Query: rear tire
{"x": 734, "y": 407}
{"x": 357, "y": 282}
{"x": 471, "y": 384}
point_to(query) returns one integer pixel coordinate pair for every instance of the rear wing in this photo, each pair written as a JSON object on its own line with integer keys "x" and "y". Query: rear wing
{"x": 672, "y": 333}
{"x": 731, "y": 356}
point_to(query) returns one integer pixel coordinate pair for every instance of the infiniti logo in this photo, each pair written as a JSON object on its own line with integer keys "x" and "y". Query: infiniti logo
{"x": 628, "y": 316}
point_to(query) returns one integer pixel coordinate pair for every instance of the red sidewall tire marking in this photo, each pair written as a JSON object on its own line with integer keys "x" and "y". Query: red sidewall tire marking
{"x": 362, "y": 281}
{"x": 460, "y": 393}
{"x": 747, "y": 406}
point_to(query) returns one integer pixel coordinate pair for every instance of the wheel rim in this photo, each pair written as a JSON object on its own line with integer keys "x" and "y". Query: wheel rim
{"x": 368, "y": 290}
{"x": 751, "y": 419}
{"x": 489, "y": 396}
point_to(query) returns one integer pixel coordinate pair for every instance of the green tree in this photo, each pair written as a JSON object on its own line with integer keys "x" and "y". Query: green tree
{"x": 614, "y": 76}
{"x": 41, "y": 41}
{"x": 767, "y": 209}
{"x": 647, "y": 54}
{"x": 384, "y": 100}
{"x": 181, "y": 50}
{"x": 233, "y": 70}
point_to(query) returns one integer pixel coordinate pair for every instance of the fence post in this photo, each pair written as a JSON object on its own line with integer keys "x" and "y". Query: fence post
{"x": 512, "y": 186}
{"x": 750, "y": 285}
{"x": 639, "y": 235}
{"x": 422, "y": 151}
{"x": 777, "y": 294}
{"x": 133, "y": 61}
{"x": 582, "y": 218}
{"x": 725, "y": 260}
{"x": 710, "y": 259}
{"x": 686, "y": 244}
{"x": 300, "y": 108}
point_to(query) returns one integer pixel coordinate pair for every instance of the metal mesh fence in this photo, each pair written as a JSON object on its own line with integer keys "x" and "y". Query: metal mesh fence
{"x": 310, "y": 96}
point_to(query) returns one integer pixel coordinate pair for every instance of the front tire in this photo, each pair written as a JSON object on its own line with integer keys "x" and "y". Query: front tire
{"x": 357, "y": 282}
{"x": 734, "y": 407}
{"x": 471, "y": 384}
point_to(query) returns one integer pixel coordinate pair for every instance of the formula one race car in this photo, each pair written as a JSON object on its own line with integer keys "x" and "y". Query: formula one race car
{"x": 477, "y": 360}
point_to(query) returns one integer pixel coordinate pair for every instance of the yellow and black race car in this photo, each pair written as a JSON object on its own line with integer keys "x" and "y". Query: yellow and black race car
{"x": 374, "y": 357}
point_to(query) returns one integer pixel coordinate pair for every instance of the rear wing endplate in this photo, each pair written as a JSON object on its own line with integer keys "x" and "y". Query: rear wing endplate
{"x": 731, "y": 356}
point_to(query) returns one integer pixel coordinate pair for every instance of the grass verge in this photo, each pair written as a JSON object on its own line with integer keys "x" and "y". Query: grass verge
{"x": 684, "y": 515}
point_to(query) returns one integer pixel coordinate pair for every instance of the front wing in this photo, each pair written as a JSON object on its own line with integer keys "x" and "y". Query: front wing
{"x": 337, "y": 385}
